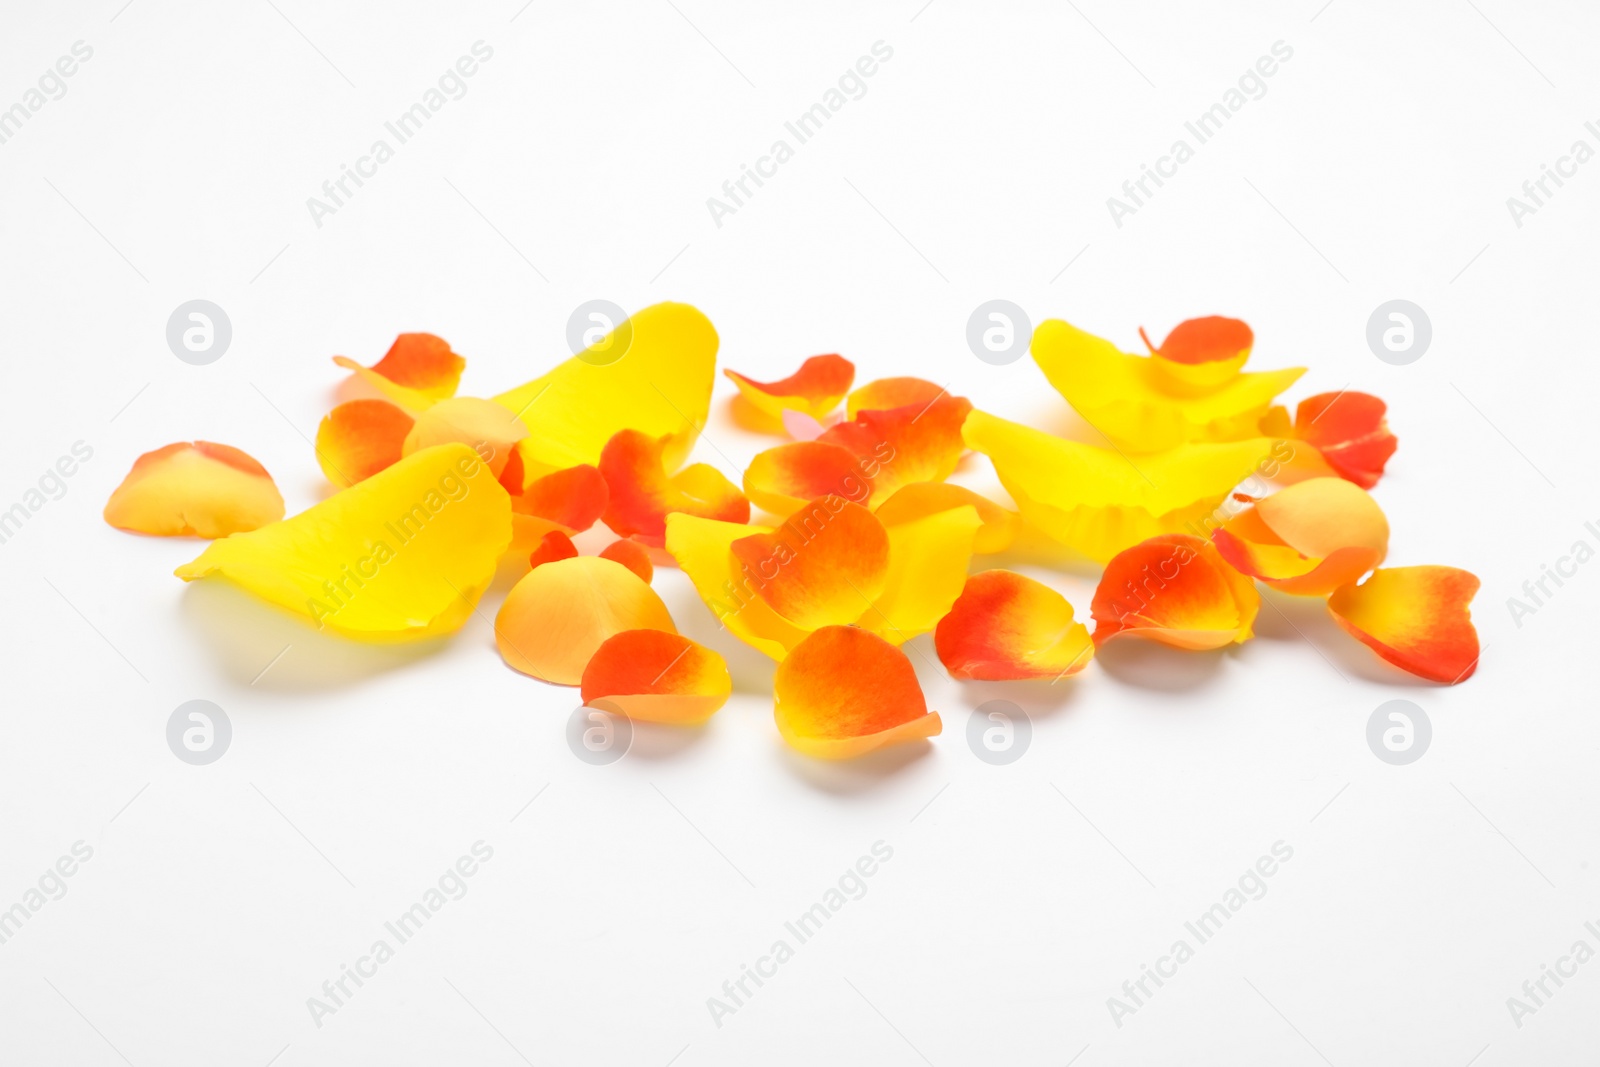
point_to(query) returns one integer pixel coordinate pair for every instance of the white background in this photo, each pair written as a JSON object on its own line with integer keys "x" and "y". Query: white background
{"x": 978, "y": 164}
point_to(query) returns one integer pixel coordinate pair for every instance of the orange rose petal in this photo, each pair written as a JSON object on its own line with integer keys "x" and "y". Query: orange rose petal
{"x": 556, "y": 618}
{"x": 197, "y": 489}
{"x": 641, "y": 494}
{"x": 1417, "y": 618}
{"x": 844, "y": 691}
{"x": 1176, "y": 589}
{"x": 816, "y": 388}
{"x": 919, "y": 442}
{"x": 887, "y": 393}
{"x": 553, "y": 546}
{"x": 780, "y": 480}
{"x": 632, "y": 555}
{"x": 359, "y": 438}
{"x": 1008, "y": 626}
{"x": 1308, "y": 538}
{"x": 482, "y": 425}
{"x": 574, "y": 498}
{"x": 920, "y": 499}
{"x": 658, "y": 677}
{"x": 1213, "y": 339}
{"x": 513, "y": 476}
{"x": 418, "y": 370}
{"x": 1350, "y": 431}
{"x": 825, "y": 565}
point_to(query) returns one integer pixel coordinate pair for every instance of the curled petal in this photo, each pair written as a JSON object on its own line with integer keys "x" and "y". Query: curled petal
{"x": 573, "y": 498}
{"x": 780, "y": 480}
{"x": 887, "y": 393}
{"x": 359, "y": 438}
{"x": 1175, "y": 589}
{"x": 641, "y": 495}
{"x": 1008, "y": 626}
{"x": 823, "y": 566}
{"x": 553, "y": 546}
{"x": 1350, "y": 431}
{"x": 1150, "y": 403}
{"x": 660, "y": 385}
{"x": 1097, "y": 501}
{"x": 815, "y": 389}
{"x": 928, "y": 561}
{"x": 556, "y": 618}
{"x": 194, "y": 488}
{"x": 418, "y": 370}
{"x": 1308, "y": 538}
{"x": 632, "y": 555}
{"x": 911, "y": 443}
{"x": 1417, "y": 618}
{"x": 844, "y": 692}
{"x": 703, "y": 550}
{"x": 920, "y": 499}
{"x": 1202, "y": 354}
{"x": 656, "y": 676}
{"x": 485, "y": 426}
{"x": 404, "y": 554}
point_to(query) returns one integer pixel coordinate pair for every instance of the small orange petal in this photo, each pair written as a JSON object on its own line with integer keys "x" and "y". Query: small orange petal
{"x": 1176, "y": 589}
{"x": 359, "y": 438}
{"x": 1212, "y": 339}
{"x": 824, "y": 565}
{"x": 1308, "y": 538}
{"x": 574, "y": 498}
{"x": 553, "y": 546}
{"x": 888, "y": 393}
{"x": 1350, "y": 431}
{"x": 641, "y": 494}
{"x": 195, "y": 489}
{"x": 844, "y": 691}
{"x": 1417, "y": 618}
{"x": 781, "y": 479}
{"x": 658, "y": 677}
{"x": 1007, "y": 626}
{"x": 556, "y": 618}
{"x": 418, "y": 368}
{"x": 632, "y": 555}
{"x": 912, "y": 443}
{"x": 514, "y": 476}
{"x": 482, "y": 425}
{"x": 816, "y": 388}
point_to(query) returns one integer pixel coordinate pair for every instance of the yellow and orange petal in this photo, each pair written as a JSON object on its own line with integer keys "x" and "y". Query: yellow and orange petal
{"x": 559, "y": 614}
{"x": 781, "y": 479}
{"x": 1177, "y": 590}
{"x": 359, "y": 438}
{"x": 914, "y": 501}
{"x": 485, "y": 426}
{"x": 1351, "y": 432}
{"x": 1008, "y": 626}
{"x": 906, "y": 444}
{"x": 1417, "y": 618}
{"x": 573, "y": 498}
{"x": 553, "y": 546}
{"x": 1308, "y": 538}
{"x": 641, "y": 494}
{"x": 844, "y": 692}
{"x": 418, "y": 370}
{"x": 885, "y": 394}
{"x": 194, "y": 489}
{"x": 825, "y": 565}
{"x": 1201, "y": 354}
{"x": 702, "y": 549}
{"x": 404, "y": 554}
{"x": 656, "y": 676}
{"x": 928, "y": 562}
{"x": 815, "y": 389}
{"x": 632, "y": 555}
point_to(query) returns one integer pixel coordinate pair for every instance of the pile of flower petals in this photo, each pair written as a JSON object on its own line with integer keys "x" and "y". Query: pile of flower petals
{"x": 1207, "y": 492}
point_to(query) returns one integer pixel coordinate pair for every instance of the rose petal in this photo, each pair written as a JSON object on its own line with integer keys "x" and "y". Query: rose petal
{"x": 703, "y": 550}
{"x": 556, "y": 618}
{"x": 359, "y": 438}
{"x": 1008, "y": 626}
{"x": 1417, "y": 618}
{"x": 780, "y": 480}
{"x": 1175, "y": 589}
{"x": 920, "y": 499}
{"x": 418, "y": 370}
{"x": 824, "y": 565}
{"x": 656, "y": 676}
{"x": 574, "y": 498}
{"x": 632, "y": 555}
{"x": 487, "y": 427}
{"x": 815, "y": 389}
{"x": 1350, "y": 431}
{"x": 911, "y": 443}
{"x": 641, "y": 495}
{"x": 1201, "y": 354}
{"x": 1098, "y": 501}
{"x": 928, "y": 561}
{"x": 194, "y": 488}
{"x": 404, "y": 554}
{"x": 1308, "y": 538}
{"x": 660, "y": 385}
{"x": 553, "y": 546}
{"x": 888, "y": 393}
{"x": 1148, "y": 406}
{"x": 844, "y": 692}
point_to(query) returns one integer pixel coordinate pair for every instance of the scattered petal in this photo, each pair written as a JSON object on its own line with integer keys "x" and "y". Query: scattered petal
{"x": 780, "y": 480}
{"x": 556, "y": 618}
{"x": 928, "y": 561}
{"x": 888, "y": 393}
{"x": 632, "y": 555}
{"x": 485, "y": 426}
{"x": 418, "y": 370}
{"x": 573, "y": 498}
{"x": 359, "y": 438}
{"x": 815, "y": 389}
{"x": 1008, "y": 626}
{"x": 404, "y": 554}
{"x": 553, "y": 546}
{"x": 1202, "y": 354}
{"x": 823, "y": 566}
{"x": 919, "y": 499}
{"x": 194, "y": 489}
{"x": 656, "y": 676}
{"x": 641, "y": 495}
{"x": 1417, "y": 618}
{"x": 703, "y": 550}
{"x": 918, "y": 442}
{"x": 1350, "y": 431}
{"x": 1308, "y": 538}
{"x": 844, "y": 692}
{"x": 1175, "y": 589}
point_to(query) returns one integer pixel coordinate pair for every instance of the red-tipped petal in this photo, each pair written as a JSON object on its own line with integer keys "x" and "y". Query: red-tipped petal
{"x": 359, "y": 438}
{"x": 553, "y": 546}
{"x": 844, "y": 691}
{"x": 1417, "y": 618}
{"x": 642, "y": 494}
{"x": 1176, "y": 589}
{"x": 658, "y": 677}
{"x": 1007, "y": 626}
{"x": 632, "y": 555}
{"x": 1351, "y": 432}
{"x": 574, "y": 498}
{"x": 816, "y": 388}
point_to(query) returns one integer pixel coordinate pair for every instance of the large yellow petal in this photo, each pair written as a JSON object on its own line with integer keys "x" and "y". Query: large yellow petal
{"x": 1132, "y": 401}
{"x": 403, "y": 554}
{"x": 704, "y": 551}
{"x": 660, "y": 386}
{"x": 928, "y": 560}
{"x": 1099, "y": 502}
